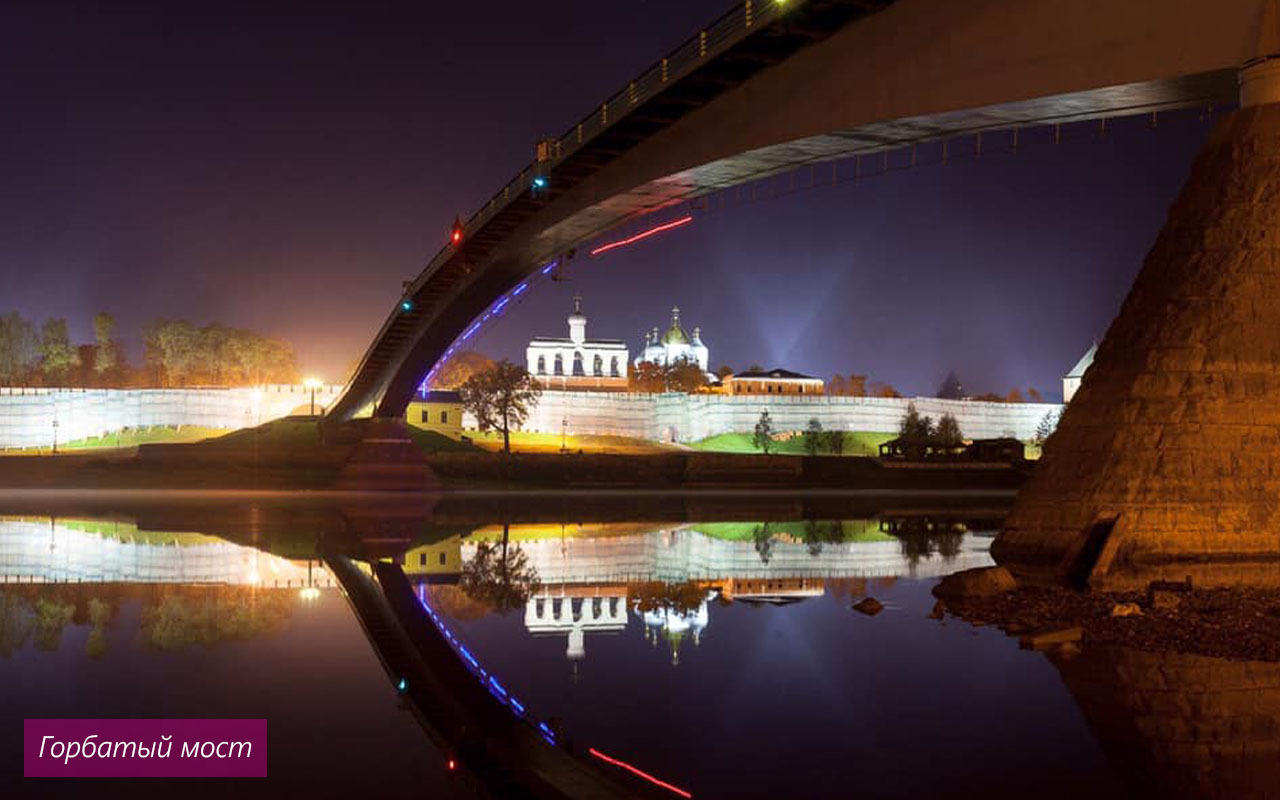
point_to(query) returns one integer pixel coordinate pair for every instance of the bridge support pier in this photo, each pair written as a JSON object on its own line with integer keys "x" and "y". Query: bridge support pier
{"x": 1175, "y": 434}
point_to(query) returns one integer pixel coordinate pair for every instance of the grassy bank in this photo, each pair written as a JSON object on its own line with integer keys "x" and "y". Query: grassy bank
{"x": 856, "y": 443}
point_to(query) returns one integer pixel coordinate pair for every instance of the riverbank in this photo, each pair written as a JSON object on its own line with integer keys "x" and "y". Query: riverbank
{"x": 1232, "y": 623}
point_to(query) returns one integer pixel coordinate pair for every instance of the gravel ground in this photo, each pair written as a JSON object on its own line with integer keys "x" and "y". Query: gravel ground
{"x": 1242, "y": 624}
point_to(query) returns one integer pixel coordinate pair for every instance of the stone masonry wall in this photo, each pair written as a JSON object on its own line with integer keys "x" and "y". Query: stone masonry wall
{"x": 1176, "y": 427}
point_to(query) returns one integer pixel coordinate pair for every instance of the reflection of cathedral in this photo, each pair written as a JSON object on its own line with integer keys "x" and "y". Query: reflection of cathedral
{"x": 672, "y": 625}
{"x": 675, "y": 346}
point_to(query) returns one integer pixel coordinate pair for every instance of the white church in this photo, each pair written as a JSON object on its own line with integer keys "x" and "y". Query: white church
{"x": 675, "y": 346}
{"x": 577, "y": 362}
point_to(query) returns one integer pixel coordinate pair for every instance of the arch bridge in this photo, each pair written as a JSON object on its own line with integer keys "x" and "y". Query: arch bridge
{"x": 773, "y": 85}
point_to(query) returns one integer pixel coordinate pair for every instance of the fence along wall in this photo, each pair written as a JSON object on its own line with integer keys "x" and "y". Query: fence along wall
{"x": 689, "y": 418}
{"x": 27, "y": 415}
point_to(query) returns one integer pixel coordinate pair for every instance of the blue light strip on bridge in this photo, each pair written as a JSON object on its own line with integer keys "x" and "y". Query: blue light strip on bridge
{"x": 495, "y": 310}
{"x": 487, "y": 680}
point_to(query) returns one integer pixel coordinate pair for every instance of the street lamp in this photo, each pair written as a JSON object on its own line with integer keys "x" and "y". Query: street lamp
{"x": 55, "y": 437}
{"x": 312, "y": 384}
{"x": 564, "y": 434}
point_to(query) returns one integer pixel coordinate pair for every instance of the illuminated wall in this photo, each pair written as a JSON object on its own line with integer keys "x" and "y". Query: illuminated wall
{"x": 685, "y": 418}
{"x": 27, "y": 416}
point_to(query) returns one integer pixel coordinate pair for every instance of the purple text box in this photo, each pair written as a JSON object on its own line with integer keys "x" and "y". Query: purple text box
{"x": 137, "y": 748}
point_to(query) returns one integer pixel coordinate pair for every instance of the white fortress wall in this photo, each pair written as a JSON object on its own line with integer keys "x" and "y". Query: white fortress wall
{"x": 686, "y": 418}
{"x": 27, "y": 415}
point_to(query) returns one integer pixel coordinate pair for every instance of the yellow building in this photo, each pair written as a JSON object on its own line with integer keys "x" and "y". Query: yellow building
{"x": 775, "y": 381}
{"x": 441, "y": 558}
{"x": 440, "y": 412}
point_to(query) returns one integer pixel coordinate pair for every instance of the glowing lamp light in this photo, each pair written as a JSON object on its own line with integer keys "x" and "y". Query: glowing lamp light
{"x": 539, "y": 182}
{"x": 455, "y": 234}
{"x": 406, "y": 304}
{"x": 666, "y": 226}
{"x": 312, "y": 383}
{"x": 402, "y": 685}
{"x": 452, "y": 765}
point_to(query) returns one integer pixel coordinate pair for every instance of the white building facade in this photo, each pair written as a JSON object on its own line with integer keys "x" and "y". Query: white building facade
{"x": 578, "y": 362}
{"x": 676, "y": 346}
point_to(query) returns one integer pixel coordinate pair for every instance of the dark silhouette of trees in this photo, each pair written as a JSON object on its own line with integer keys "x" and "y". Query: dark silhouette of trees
{"x": 814, "y": 440}
{"x": 499, "y": 576}
{"x": 57, "y": 356}
{"x": 460, "y": 368}
{"x": 763, "y": 436}
{"x": 500, "y": 398}
{"x": 951, "y": 388}
{"x": 19, "y": 348}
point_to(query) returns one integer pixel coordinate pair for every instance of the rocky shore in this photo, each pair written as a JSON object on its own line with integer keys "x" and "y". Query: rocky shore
{"x": 1237, "y": 624}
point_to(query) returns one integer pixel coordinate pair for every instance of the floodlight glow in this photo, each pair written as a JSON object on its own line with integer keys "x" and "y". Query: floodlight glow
{"x": 539, "y": 182}
{"x": 666, "y": 226}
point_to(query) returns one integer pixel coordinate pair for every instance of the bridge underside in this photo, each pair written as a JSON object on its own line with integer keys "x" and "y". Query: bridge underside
{"x": 836, "y": 80}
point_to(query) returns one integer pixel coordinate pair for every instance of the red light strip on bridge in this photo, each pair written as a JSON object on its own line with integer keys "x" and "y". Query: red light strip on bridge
{"x": 666, "y": 226}
{"x": 637, "y": 772}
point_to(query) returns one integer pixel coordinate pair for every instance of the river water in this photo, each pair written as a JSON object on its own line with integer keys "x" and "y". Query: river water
{"x": 721, "y": 657}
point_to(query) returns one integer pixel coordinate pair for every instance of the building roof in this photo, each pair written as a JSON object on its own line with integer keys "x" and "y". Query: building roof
{"x": 675, "y": 334}
{"x": 1083, "y": 364}
{"x": 775, "y": 374}
{"x": 439, "y": 396}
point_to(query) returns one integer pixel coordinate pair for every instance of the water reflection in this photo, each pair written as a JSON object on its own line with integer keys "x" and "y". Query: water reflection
{"x": 649, "y": 640}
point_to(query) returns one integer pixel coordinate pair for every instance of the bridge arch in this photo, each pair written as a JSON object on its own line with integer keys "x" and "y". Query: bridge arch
{"x": 772, "y": 86}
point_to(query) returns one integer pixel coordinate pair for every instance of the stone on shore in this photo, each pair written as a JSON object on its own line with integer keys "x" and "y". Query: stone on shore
{"x": 869, "y": 606}
{"x": 1126, "y": 610}
{"x": 978, "y": 582}
{"x": 1052, "y": 638}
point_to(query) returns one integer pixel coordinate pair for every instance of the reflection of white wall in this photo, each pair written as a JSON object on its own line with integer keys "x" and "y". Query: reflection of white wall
{"x": 27, "y": 415}
{"x": 694, "y": 417}
{"x": 550, "y": 613}
{"x": 681, "y": 555}
{"x": 40, "y": 551}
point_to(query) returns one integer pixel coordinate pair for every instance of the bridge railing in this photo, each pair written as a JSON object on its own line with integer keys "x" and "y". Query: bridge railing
{"x": 746, "y": 17}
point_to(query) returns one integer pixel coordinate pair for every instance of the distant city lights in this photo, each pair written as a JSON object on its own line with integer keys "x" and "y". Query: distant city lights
{"x": 666, "y": 226}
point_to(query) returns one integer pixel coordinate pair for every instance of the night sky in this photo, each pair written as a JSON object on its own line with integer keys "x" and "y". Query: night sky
{"x": 284, "y": 166}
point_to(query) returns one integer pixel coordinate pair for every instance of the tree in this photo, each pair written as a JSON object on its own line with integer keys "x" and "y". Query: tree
{"x": 834, "y": 441}
{"x": 951, "y": 389}
{"x": 1048, "y": 424}
{"x": 763, "y": 438}
{"x": 838, "y": 386}
{"x": 879, "y": 389}
{"x": 1014, "y": 396}
{"x": 813, "y": 438}
{"x": 685, "y": 377}
{"x": 19, "y": 348}
{"x": 107, "y": 356}
{"x": 857, "y": 385}
{"x": 724, "y": 371}
{"x": 57, "y": 356}
{"x": 501, "y": 577}
{"x": 500, "y": 398}
{"x": 1033, "y": 394}
{"x": 762, "y": 539}
{"x": 914, "y": 427}
{"x": 459, "y": 368}
{"x": 647, "y": 377}
{"x": 948, "y": 432}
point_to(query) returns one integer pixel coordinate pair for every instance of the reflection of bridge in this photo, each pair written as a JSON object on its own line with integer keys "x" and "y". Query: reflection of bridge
{"x": 772, "y": 86}
{"x": 50, "y": 551}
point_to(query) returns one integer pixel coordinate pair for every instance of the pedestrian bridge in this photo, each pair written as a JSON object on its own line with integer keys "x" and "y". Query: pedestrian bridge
{"x": 779, "y": 85}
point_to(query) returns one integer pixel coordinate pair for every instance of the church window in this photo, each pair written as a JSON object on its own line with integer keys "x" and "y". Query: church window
{"x": 542, "y": 365}
{"x": 559, "y": 364}
{"x": 597, "y": 366}
{"x": 613, "y": 367}
{"x": 577, "y": 364}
